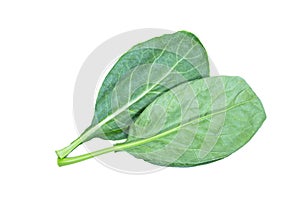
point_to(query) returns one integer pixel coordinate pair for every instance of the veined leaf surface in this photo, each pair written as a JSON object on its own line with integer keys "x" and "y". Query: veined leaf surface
{"x": 197, "y": 122}
{"x": 143, "y": 73}
{"x": 139, "y": 76}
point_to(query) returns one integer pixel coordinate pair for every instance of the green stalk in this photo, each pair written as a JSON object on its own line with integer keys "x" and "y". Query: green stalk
{"x": 117, "y": 147}
{"x": 76, "y": 159}
{"x": 84, "y": 137}
{"x": 68, "y": 149}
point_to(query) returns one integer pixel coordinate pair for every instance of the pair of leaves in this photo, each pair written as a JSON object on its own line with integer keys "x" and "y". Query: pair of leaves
{"x": 197, "y": 122}
{"x": 156, "y": 96}
{"x": 142, "y": 74}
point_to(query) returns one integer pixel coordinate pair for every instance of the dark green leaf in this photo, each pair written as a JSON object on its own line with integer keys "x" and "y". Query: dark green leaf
{"x": 140, "y": 75}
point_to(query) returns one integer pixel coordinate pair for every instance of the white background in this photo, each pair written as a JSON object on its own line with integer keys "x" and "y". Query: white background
{"x": 43, "y": 45}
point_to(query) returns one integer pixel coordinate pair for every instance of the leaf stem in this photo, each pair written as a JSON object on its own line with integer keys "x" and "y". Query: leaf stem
{"x": 68, "y": 149}
{"x": 118, "y": 147}
{"x": 84, "y": 137}
{"x": 76, "y": 159}
{"x": 126, "y": 145}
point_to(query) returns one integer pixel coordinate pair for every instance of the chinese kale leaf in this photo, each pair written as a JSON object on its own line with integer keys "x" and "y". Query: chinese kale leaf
{"x": 197, "y": 122}
{"x": 139, "y": 76}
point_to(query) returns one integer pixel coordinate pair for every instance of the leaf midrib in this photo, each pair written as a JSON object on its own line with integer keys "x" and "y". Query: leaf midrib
{"x": 166, "y": 133}
{"x": 127, "y": 105}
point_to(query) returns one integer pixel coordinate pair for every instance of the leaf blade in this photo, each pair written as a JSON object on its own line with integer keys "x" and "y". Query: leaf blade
{"x": 112, "y": 113}
{"x": 210, "y": 136}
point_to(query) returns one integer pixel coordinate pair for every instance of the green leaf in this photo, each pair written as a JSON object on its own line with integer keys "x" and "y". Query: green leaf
{"x": 143, "y": 73}
{"x": 197, "y": 122}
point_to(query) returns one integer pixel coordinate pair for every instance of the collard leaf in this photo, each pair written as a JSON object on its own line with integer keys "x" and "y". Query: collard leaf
{"x": 143, "y": 73}
{"x": 195, "y": 123}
